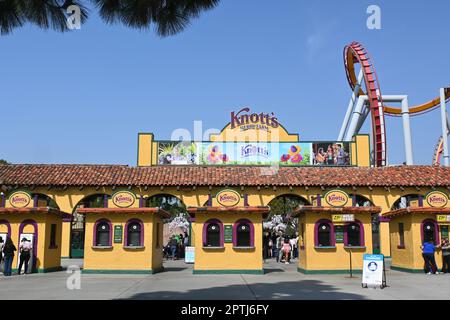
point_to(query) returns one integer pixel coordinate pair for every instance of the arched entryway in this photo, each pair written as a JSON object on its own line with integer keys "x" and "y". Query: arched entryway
{"x": 361, "y": 201}
{"x": 77, "y": 233}
{"x": 281, "y": 221}
{"x": 178, "y": 226}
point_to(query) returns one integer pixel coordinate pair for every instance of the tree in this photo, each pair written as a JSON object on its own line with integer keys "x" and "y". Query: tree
{"x": 2, "y": 161}
{"x": 168, "y": 16}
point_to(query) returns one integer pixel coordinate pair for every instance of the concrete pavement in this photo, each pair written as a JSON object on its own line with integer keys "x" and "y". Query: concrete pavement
{"x": 177, "y": 282}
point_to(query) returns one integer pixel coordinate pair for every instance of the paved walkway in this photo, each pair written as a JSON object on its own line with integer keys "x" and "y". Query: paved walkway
{"x": 177, "y": 282}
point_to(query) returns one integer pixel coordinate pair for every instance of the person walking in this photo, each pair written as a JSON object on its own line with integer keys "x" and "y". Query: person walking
{"x": 294, "y": 246}
{"x": 286, "y": 250}
{"x": 445, "y": 246}
{"x": 428, "y": 250}
{"x": 279, "y": 245}
{"x": 8, "y": 253}
{"x": 270, "y": 248}
{"x": 2, "y": 242}
{"x": 173, "y": 243}
{"x": 25, "y": 248}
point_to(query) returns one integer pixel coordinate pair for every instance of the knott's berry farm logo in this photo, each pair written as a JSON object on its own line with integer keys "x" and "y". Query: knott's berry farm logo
{"x": 252, "y": 150}
{"x": 20, "y": 199}
{"x": 437, "y": 199}
{"x": 336, "y": 198}
{"x": 247, "y": 121}
{"x": 123, "y": 199}
{"x": 228, "y": 198}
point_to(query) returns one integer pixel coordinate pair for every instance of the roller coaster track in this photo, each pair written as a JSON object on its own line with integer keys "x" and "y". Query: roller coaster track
{"x": 355, "y": 53}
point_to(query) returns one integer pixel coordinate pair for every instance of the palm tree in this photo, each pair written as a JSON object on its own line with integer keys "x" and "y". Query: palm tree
{"x": 168, "y": 16}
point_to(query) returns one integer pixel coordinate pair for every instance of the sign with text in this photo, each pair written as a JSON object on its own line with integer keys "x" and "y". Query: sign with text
{"x": 343, "y": 218}
{"x": 123, "y": 199}
{"x": 373, "y": 267}
{"x": 339, "y": 234}
{"x": 336, "y": 198}
{"x": 443, "y": 218}
{"x": 228, "y": 233}
{"x": 189, "y": 255}
{"x": 118, "y": 232}
{"x": 228, "y": 198}
{"x": 436, "y": 199}
{"x": 20, "y": 199}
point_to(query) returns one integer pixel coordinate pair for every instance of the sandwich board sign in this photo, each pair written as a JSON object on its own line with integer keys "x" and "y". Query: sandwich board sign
{"x": 189, "y": 256}
{"x": 373, "y": 271}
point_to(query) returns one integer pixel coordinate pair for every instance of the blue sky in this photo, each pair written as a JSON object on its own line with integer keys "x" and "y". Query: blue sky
{"x": 82, "y": 97}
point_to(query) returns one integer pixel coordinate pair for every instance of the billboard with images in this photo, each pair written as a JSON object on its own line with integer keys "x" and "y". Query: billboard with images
{"x": 258, "y": 153}
{"x": 331, "y": 154}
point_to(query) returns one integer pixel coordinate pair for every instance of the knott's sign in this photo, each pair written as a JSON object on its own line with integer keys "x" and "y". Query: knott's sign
{"x": 228, "y": 198}
{"x": 437, "y": 199}
{"x": 250, "y": 121}
{"x": 123, "y": 199}
{"x": 336, "y": 198}
{"x": 20, "y": 199}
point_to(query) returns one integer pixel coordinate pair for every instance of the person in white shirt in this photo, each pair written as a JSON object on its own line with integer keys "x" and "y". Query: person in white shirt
{"x": 25, "y": 254}
{"x": 294, "y": 245}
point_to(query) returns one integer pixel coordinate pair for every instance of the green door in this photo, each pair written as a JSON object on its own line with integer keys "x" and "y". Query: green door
{"x": 77, "y": 244}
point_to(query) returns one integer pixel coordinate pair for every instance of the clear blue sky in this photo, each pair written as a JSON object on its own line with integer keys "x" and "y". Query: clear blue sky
{"x": 82, "y": 97}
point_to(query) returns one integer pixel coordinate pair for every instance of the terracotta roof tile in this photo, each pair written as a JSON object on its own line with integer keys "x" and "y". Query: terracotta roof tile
{"x": 121, "y": 175}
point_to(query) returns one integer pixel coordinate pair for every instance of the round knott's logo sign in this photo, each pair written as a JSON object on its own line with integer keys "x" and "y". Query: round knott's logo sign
{"x": 123, "y": 199}
{"x": 20, "y": 199}
{"x": 336, "y": 198}
{"x": 228, "y": 198}
{"x": 437, "y": 199}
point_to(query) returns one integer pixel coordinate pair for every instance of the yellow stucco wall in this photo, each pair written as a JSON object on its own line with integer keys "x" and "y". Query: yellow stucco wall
{"x": 47, "y": 258}
{"x": 331, "y": 259}
{"x": 118, "y": 258}
{"x": 410, "y": 257}
{"x": 228, "y": 258}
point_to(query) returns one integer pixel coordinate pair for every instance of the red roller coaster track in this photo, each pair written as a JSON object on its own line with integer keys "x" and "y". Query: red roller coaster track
{"x": 355, "y": 53}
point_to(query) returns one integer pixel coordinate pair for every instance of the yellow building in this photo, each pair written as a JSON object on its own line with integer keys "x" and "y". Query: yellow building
{"x": 410, "y": 227}
{"x": 228, "y": 235}
{"x": 42, "y": 226}
{"x": 255, "y": 156}
{"x": 123, "y": 240}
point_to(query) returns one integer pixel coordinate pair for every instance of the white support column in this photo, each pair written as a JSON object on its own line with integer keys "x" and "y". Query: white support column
{"x": 355, "y": 118}
{"x": 407, "y": 132}
{"x": 444, "y": 128}
{"x": 350, "y": 107}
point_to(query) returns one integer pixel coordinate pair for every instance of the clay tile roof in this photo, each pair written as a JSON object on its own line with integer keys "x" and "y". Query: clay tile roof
{"x": 122, "y": 175}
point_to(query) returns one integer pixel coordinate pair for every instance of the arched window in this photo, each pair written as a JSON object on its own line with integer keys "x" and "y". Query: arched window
{"x": 354, "y": 234}
{"x": 102, "y": 231}
{"x": 243, "y": 233}
{"x": 213, "y": 233}
{"x": 134, "y": 236}
{"x": 324, "y": 234}
{"x": 430, "y": 231}
{"x": 410, "y": 200}
{"x": 360, "y": 201}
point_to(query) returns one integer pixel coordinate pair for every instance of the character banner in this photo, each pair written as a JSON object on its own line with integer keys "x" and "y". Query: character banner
{"x": 260, "y": 153}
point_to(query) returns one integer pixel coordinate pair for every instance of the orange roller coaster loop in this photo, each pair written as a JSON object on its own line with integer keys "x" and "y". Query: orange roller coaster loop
{"x": 356, "y": 53}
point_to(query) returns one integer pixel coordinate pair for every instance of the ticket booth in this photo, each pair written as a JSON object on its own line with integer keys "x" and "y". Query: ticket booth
{"x": 228, "y": 235}
{"x": 412, "y": 226}
{"x": 123, "y": 238}
{"x": 333, "y": 238}
{"x": 42, "y": 227}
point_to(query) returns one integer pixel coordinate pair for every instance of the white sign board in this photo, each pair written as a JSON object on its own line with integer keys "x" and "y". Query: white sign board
{"x": 373, "y": 269}
{"x": 189, "y": 254}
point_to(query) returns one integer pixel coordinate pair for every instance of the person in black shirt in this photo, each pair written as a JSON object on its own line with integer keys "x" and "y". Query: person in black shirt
{"x": 8, "y": 252}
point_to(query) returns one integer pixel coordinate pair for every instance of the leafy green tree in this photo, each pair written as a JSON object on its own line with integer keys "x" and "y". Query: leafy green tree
{"x": 169, "y": 17}
{"x": 2, "y": 161}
